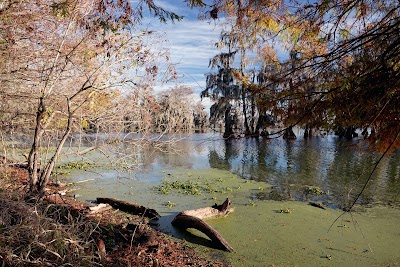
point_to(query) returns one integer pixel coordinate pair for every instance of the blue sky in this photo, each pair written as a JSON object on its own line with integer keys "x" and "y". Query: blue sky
{"x": 191, "y": 43}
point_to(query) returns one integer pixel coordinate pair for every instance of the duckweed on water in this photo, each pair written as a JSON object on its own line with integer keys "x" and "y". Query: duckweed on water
{"x": 272, "y": 194}
{"x": 186, "y": 187}
{"x": 313, "y": 190}
{"x": 267, "y": 233}
{"x": 251, "y": 203}
{"x": 169, "y": 204}
{"x": 73, "y": 165}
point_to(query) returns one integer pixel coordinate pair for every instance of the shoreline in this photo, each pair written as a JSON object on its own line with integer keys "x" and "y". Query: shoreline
{"x": 116, "y": 238}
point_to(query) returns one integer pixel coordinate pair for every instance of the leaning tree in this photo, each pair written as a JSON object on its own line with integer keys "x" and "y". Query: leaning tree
{"x": 67, "y": 63}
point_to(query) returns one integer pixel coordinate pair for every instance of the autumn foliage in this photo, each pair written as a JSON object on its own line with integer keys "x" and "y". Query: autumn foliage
{"x": 326, "y": 64}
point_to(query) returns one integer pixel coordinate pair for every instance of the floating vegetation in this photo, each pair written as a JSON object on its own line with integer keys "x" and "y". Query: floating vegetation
{"x": 274, "y": 194}
{"x": 61, "y": 172}
{"x": 186, "y": 187}
{"x": 73, "y": 165}
{"x": 329, "y": 257}
{"x": 251, "y": 203}
{"x": 292, "y": 193}
{"x": 285, "y": 210}
{"x": 314, "y": 190}
{"x": 169, "y": 204}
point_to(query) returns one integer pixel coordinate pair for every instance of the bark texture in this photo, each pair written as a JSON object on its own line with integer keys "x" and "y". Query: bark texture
{"x": 194, "y": 219}
{"x": 129, "y": 207}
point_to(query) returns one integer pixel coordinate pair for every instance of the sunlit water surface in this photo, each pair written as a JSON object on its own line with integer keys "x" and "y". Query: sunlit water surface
{"x": 263, "y": 178}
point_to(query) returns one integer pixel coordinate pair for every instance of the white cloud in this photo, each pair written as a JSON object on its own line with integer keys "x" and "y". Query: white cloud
{"x": 191, "y": 44}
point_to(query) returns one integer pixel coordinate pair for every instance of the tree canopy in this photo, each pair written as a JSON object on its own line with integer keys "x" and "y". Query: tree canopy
{"x": 74, "y": 64}
{"x": 69, "y": 62}
{"x": 330, "y": 64}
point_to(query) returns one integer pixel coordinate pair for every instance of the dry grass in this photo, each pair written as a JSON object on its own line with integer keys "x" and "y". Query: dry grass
{"x": 44, "y": 235}
{"x": 47, "y": 234}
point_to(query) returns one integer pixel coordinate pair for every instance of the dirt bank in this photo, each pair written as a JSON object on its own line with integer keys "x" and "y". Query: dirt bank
{"x": 60, "y": 231}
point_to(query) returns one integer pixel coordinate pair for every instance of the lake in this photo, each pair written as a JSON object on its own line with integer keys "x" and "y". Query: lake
{"x": 263, "y": 178}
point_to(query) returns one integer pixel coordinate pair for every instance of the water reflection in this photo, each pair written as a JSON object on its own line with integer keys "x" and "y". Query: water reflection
{"x": 300, "y": 169}
{"x": 332, "y": 165}
{"x": 326, "y": 163}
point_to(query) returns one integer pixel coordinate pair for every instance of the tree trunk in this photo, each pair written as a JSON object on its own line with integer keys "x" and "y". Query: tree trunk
{"x": 129, "y": 207}
{"x": 228, "y": 122}
{"x": 246, "y": 123}
{"x": 253, "y": 114}
{"x": 33, "y": 153}
{"x": 194, "y": 219}
{"x": 289, "y": 134}
{"x": 45, "y": 175}
{"x": 350, "y": 133}
{"x": 307, "y": 132}
{"x": 187, "y": 221}
{"x": 40, "y": 178}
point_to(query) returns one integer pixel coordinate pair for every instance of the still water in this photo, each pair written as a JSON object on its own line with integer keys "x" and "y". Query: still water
{"x": 262, "y": 178}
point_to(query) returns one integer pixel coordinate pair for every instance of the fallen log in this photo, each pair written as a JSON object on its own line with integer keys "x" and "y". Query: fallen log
{"x": 317, "y": 205}
{"x": 129, "y": 207}
{"x": 194, "y": 219}
{"x": 99, "y": 208}
{"x": 60, "y": 184}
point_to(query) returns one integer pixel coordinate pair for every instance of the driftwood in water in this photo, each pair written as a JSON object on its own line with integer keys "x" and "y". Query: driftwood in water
{"x": 194, "y": 219}
{"x": 317, "y": 205}
{"x": 129, "y": 207}
{"x": 60, "y": 184}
